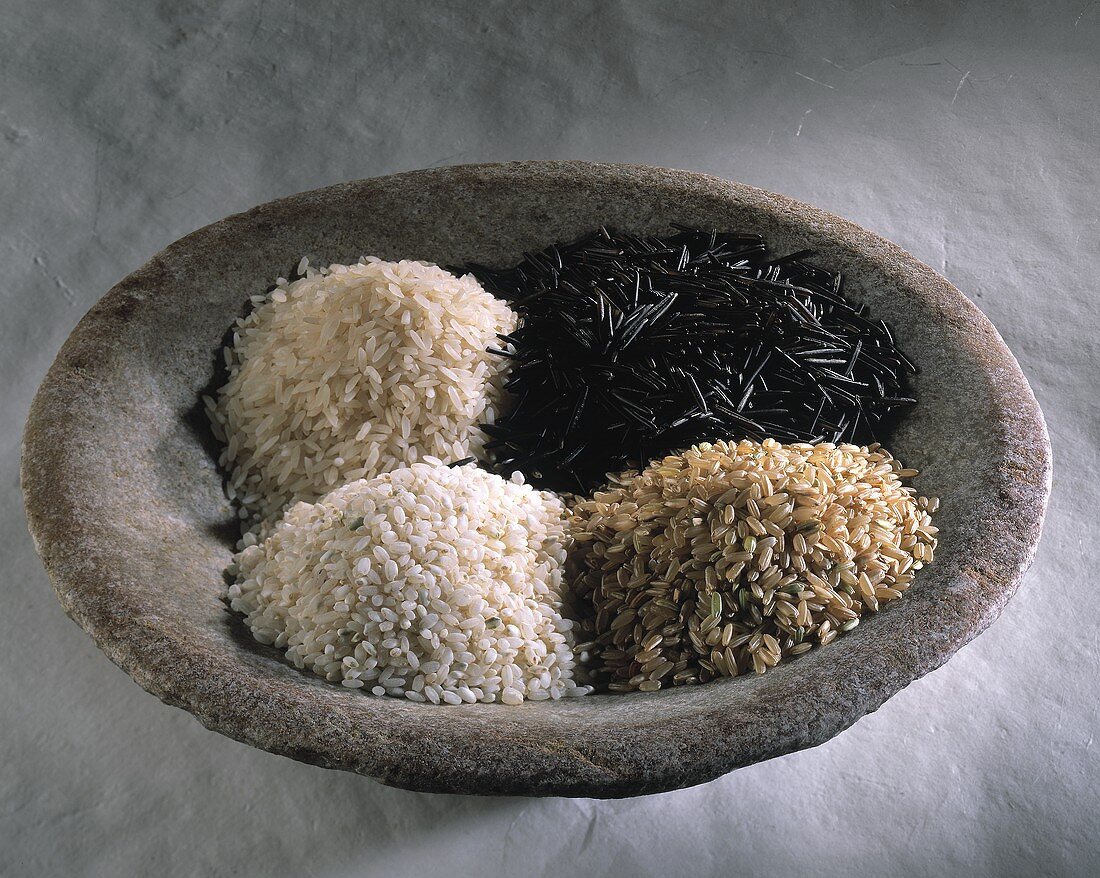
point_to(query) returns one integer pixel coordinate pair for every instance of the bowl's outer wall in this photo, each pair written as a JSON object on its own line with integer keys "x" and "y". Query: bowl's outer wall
{"x": 126, "y": 507}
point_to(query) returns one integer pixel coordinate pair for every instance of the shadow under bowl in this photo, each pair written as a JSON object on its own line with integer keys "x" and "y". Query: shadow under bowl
{"x": 126, "y": 506}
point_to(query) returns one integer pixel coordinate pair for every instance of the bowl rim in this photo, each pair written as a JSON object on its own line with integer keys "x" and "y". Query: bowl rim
{"x": 143, "y": 651}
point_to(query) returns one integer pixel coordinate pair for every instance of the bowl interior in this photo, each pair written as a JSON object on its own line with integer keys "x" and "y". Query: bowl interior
{"x": 127, "y": 508}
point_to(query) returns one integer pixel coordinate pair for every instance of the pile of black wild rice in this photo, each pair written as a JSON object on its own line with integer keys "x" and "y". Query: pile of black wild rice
{"x": 629, "y": 347}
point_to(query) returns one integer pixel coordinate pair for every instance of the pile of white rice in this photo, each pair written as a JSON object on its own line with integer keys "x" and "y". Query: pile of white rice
{"x": 439, "y": 584}
{"x": 352, "y": 371}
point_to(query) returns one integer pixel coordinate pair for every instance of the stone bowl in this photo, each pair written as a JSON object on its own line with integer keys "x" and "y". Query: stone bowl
{"x": 126, "y": 507}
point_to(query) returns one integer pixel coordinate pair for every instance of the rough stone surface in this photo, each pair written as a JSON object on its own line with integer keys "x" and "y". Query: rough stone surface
{"x": 127, "y": 511}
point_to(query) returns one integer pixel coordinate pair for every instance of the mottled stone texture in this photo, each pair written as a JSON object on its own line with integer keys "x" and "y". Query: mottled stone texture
{"x": 127, "y": 512}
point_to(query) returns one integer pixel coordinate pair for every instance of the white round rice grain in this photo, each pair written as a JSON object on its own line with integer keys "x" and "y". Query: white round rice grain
{"x": 489, "y": 627}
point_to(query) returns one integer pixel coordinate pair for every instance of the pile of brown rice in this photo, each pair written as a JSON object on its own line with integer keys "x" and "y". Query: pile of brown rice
{"x": 435, "y": 583}
{"x": 731, "y": 556}
{"x": 352, "y": 371}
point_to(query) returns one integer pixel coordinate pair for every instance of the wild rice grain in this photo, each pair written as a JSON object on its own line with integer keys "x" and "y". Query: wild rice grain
{"x": 630, "y": 346}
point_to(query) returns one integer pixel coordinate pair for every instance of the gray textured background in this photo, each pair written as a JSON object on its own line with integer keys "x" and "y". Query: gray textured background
{"x": 968, "y": 133}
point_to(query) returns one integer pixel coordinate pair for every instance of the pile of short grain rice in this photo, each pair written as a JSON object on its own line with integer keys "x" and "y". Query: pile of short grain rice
{"x": 731, "y": 556}
{"x": 432, "y": 582}
{"x": 352, "y": 371}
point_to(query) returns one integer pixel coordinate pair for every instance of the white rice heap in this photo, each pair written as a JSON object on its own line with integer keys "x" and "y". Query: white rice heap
{"x": 352, "y": 371}
{"x": 436, "y": 583}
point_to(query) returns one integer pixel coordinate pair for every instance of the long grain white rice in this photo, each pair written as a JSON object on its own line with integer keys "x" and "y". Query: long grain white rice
{"x": 353, "y": 371}
{"x": 439, "y": 584}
